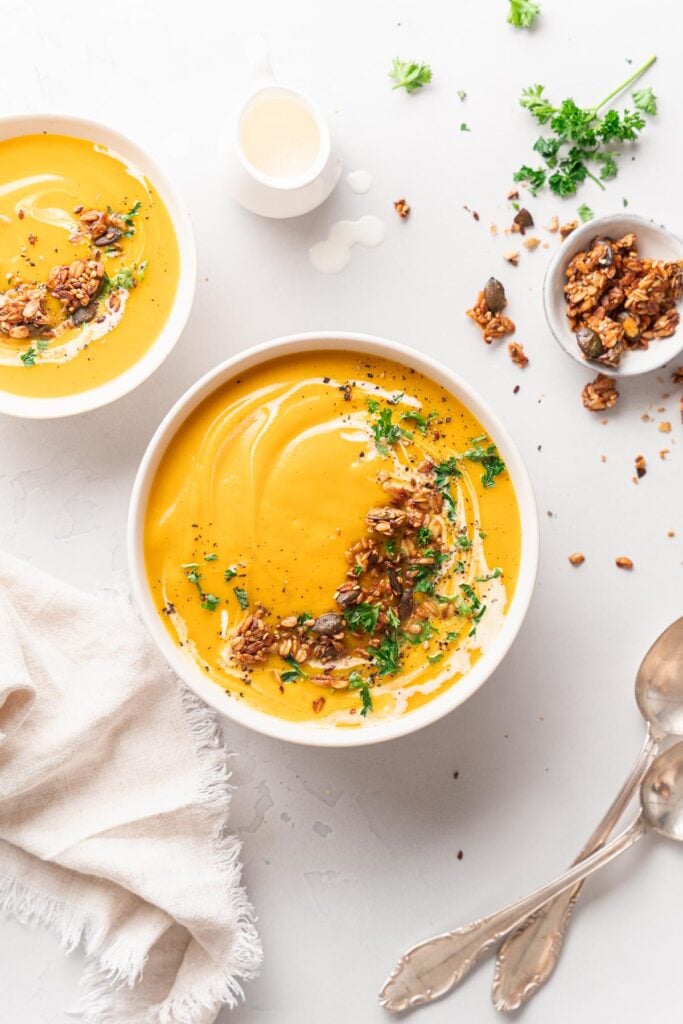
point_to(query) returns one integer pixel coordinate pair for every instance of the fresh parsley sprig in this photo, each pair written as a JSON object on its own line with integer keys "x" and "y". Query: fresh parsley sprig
{"x": 409, "y": 75}
{"x": 582, "y": 142}
{"x": 356, "y": 682}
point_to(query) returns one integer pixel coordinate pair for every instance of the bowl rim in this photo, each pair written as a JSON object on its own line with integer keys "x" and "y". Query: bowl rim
{"x": 57, "y": 123}
{"x": 554, "y": 275}
{"x": 241, "y": 712}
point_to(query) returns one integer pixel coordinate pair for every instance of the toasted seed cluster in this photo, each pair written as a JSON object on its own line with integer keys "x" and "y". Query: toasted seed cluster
{"x": 517, "y": 354}
{"x": 77, "y": 284}
{"x": 103, "y": 228}
{"x": 599, "y": 394}
{"x": 617, "y": 300}
{"x": 22, "y": 313}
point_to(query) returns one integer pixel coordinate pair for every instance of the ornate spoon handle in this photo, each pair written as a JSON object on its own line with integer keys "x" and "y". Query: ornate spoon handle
{"x": 527, "y": 958}
{"x": 432, "y": 968}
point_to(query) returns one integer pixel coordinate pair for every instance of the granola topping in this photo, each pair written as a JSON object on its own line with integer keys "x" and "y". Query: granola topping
{"x": 22, "y": 312}
{"x": 487, "y": 313}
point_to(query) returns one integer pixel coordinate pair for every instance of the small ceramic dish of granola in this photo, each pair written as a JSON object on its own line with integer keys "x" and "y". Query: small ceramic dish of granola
{"x": 611, "y": 295}
{"x": 97, "y": 265}
{"x": 332, "y": 539}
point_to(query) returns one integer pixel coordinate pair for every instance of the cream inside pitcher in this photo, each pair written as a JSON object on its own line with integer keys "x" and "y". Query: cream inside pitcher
{"x": 280, "y": 155}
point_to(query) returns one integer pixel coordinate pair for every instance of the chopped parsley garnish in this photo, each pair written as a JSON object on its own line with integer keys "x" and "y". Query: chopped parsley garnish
{"x": 302, "y": 619}
{"x": 433, "y": 658}
{"x": 356, "y": 682}
{"x": 491, "y": 576}
{"x": 471, "y": 608}
{"x": 387, "y": 656}
{"x": 362, "y": 617}
{"x": 358, "y": 570}
{"x": 390, "y": 547}
{"x": 488, "y": 458}
{"x": 229, "y": 574}
{"x": 443, "y": 473}
{"x": 28, "y": 357}
{"x": 581, "y": 143}
{"x": 452, "y": 636}
{"x": 386, "y": 432}
{"x": 373, "y": 405}
{"x": 585, "y": 213}
{"x": 421, "y": 422}
{"x": 409, "y": 75}
{"x": 464, "y": 127}
{"x": 242, "y": 599}
{"x": 211, "y": 557}
{"x": 424, "y": 536}
{"x": 211, "y": 602}
{"x": 463, "y": 542}
{"x": 123, "y": 278}
{"x": 294, "y": 672}
{"x": 462, "y": 94}
{"x": 141, "y": 269}
{"x": 129, "y": 218}
{"x": 523, "y": 13}
{"x": 393, "y": 619}
{"x": 427, "y": 631}
{"x": 396, "y": 398}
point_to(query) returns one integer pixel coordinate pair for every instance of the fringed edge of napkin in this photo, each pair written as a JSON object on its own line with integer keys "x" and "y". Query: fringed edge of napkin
{"x": 109, "y": 964}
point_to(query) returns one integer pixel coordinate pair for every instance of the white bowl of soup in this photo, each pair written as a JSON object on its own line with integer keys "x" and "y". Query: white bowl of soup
{"x": 97, "y": 265}
{"x": 332, "y": 539}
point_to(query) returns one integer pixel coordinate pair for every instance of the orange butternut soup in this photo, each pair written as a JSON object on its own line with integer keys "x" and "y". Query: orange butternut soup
{"x": 332, "y": 538}
{"x": 89, "y": 265}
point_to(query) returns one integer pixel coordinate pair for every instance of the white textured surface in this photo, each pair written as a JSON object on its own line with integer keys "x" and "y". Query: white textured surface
{"x": 350, "y": 857}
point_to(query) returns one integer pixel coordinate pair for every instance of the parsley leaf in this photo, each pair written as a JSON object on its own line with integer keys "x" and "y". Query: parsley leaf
{"x": 491, "y": 576}
{"x": 464, "y": 127}
{"x": 242, "y": 599}
{"x": 294, "y": 672}
{"x": 387, "y": 656}
{"x": 585, "y": 213}
{"x": 443, "y": 473}
{"x": 409, "y": 75}
{"x": 462, "y": 94}
{"x": 229, "y": 574}
{"x": 645, "y": 100}
{"x": 356, "y": 682}
{"x": 362, "y": 617}
{"x": 386, "y": 432}
{"x": 28, "y": 357}
{"x": 210, "y": 602}
{"x": 488, "y": 458}
{"x": 523, "y": 13}
{"x": 421, "y": 422}
{"x": 211, "y": 557}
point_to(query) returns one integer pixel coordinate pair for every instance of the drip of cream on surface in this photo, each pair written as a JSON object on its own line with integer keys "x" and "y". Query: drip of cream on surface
{"x": 334, "y": 253}
{"x": 359, "y": 182}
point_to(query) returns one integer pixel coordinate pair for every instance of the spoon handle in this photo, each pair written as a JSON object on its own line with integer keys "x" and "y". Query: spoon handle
{"x": 527, "y": 958}
{"x": 432, "y": 968}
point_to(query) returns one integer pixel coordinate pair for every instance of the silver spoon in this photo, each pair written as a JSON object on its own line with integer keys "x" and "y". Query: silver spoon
{"x": 527, "y": 958}
{"x": 432, "y": 968}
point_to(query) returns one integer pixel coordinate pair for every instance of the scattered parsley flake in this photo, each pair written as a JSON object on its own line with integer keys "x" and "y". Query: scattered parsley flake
{"x": 242, "y": 599}
{"x": 386, "y": 432}
{"x": 491, "y": 576}
{"x": 462, "y": 94}
{"x": 585, "y": 213}
{"x": 210, "y": 602}
{"x": 422, "y": 423}
{"x": 294, "y": 672}
{"x": 28, "y": 357}
{"x": 387, "y": 657}
{"x": 464, "y": 127}
{"x": 229, "y": 574}
{"x": 211, "y": 557}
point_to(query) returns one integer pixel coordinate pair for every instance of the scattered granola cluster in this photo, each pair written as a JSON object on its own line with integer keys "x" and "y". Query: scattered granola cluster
{"x": 104, "y": 228}
{"x": 617, "y": 300}
{"x": 22, "y": 313}
{"x": 487, "y": 312}
{"x": 599, "y": 394}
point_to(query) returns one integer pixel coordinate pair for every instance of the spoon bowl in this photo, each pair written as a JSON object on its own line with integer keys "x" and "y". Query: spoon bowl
{"x": 659, "y": 683}
{"x": 661, "y": 794}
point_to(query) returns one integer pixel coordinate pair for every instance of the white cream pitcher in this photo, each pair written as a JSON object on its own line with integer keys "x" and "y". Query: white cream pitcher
{"x": 278, "y": 148}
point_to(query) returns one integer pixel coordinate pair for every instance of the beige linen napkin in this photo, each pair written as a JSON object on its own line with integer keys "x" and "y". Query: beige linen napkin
{"x": 114, "y": 800}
